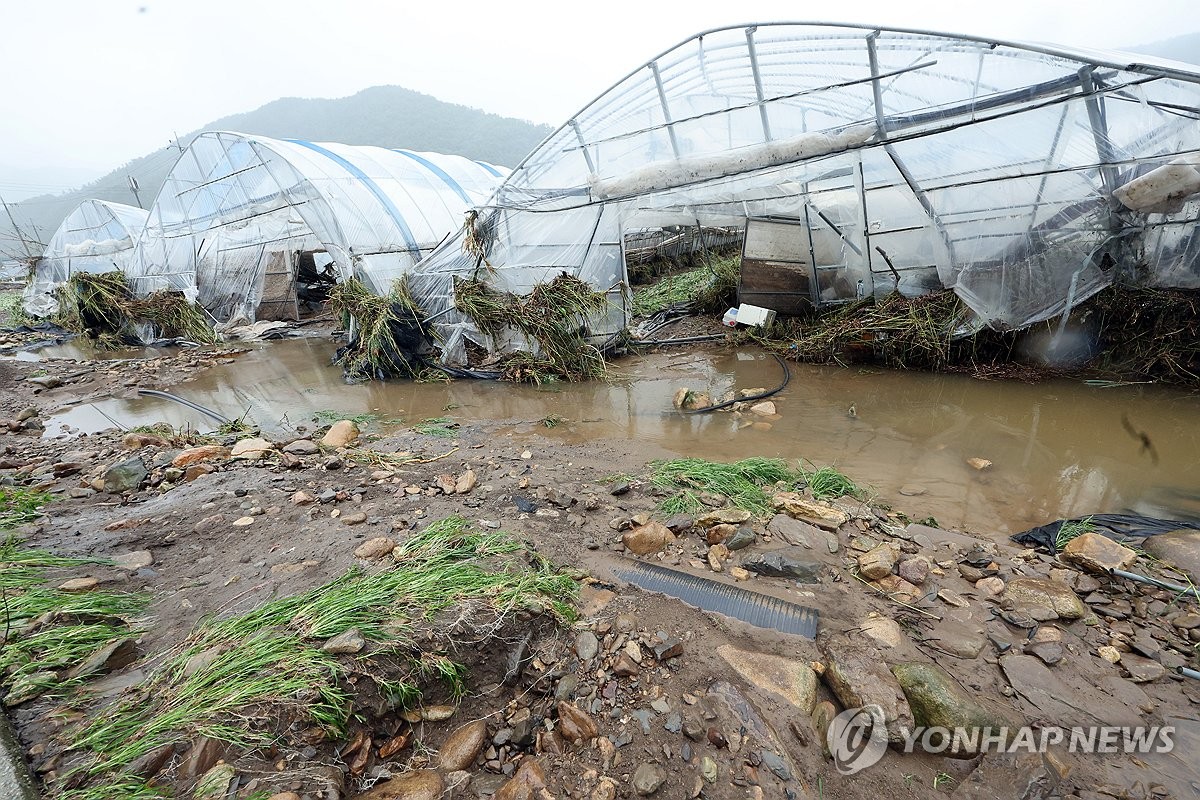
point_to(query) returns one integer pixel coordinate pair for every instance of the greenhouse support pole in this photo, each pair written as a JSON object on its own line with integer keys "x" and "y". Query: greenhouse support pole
{"x": 758, "y": 87}
{"x": 666, "y": 108}
{"x": 587, "y": 157}
{"x": 881, "y": 127}
{"x": 1104, "y": 148}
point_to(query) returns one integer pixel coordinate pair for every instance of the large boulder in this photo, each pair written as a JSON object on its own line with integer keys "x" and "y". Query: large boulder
{"x": 937, "y": 700}
{"x": 1044, "y": 599}
{"x": 1180, "y": 548}
{"x": 857, "y": 674}
{"x": 1096, "y": 553}
{"x": 789, "y": 678}
{"x": 126, "y": 476}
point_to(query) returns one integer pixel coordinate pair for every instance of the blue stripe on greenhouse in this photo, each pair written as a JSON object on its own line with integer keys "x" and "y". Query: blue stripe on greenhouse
{"x": 436, "y": 170}
{"x": 380, "y": 195}
{"x": 490, "y": 168}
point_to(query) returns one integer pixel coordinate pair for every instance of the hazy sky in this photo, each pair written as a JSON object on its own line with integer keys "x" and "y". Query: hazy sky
{"x": 90, "y": 84}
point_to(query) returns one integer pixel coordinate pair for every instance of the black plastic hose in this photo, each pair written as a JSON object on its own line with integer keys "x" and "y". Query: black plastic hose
{"x": 208, "y": 412}
{"x": 787, "y": 376}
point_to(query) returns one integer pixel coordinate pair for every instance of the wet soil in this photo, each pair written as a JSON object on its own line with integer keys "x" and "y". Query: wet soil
{"x": 203, "y": 566}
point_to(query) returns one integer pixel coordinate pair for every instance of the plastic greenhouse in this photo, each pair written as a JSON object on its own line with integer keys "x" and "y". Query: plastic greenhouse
{"x": 245, "y": 224}
{"x": 97, "y": 236}
{"x": 859, "y": 161}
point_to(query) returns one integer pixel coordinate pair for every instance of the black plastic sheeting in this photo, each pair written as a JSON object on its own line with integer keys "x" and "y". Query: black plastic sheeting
{"x": 759, "y": 610}
{"x": 1120, "y": 527}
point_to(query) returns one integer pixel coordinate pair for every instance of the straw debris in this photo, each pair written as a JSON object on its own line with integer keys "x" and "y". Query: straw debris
{"x": 102, "y": 307}
{"x": 388, "y": 332}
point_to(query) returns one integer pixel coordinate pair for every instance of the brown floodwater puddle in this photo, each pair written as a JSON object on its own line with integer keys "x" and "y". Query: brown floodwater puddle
{"x": 1057, "y": 449}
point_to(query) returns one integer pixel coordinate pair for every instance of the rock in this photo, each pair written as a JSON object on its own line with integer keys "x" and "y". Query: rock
{"x": 1142, "y": 670}
{"x": 680, "y": 523}
{"x": 990, "y": 587}
{"x": 466, "y": 482}
{"x": 648, "y": 538}
{"x": 340, "y": 434}
{"x": 624, "y": 666}
{"x": 78, "y": 585}
{"x": 937, "y": 700}
{"x": 739, "y": 574}
{"x": 952, "y": 598}
{"x": 979, "y": 463}
{"x": 417, "y": 784}
{"x": 302, "y": 447}
{"x": 716, "y": 557}
{"x": 346, "y": 642}
{"x": 810, "y": 511}
{"x": 45, "y": 381}
{"x": 708, "y": 769}
{"x": 375, "y": 548}
{"x": 214, "y": 784}
{"x": 576, "y": 725}
{"x": 790, "y": 562}
{"x": 1049, "y": 653}
{"x": 354, "y": 518}
{"x": 648, "y": 779}
{"x": 1109, "y": 653}
{"x": 1056, "y": 701}
{"x": 742, "y": 538}
{"x": 525, "y": 784}
{"x": 877, "y": 562}
{"x": 195, "y": 455}
{"x": 202, "y": 756}
{"x": 857, "y": 674}
{"x": 796, "y": 532}
{"x": 251, "y": 449}
{"x": 302, "y": 498}
{"x": 723, "y": 516}
{"x": 197, "y": 470}
{"x": 667, "y": 649}
{"x": 151, "y": 763}
{"x": 789, "y": 678}
{"x": 1044, "y": 599}
{"x": 586, "y": 646}
{"x": 126, "y": 476}
{"x": 1180, "y": 548}
{"x": 883, "y": 631}
{"x": 463, "y": 746}
{"x": 763, "y": 409}
{"x": 619, "y": 488}
{"x": 914, "y": 570}
{"x": 243, "y": 522}
{"x": 1096, "y": 553}
{"x": 133, "y": 561}
{"x": 913, "y": 490}
{"x": 284, "y": 796}
{"x": 113, "y": 656}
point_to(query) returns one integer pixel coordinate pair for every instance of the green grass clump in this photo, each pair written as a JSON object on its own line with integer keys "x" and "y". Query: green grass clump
{"x": 741, "y": 482}
{"x": 102, "y": 307}
{"x": 269, "y": 669}
{"x": 12, "y": 310}
{"x": 18, "y": 506}
{"x": 441, "y": 427}
{"x": 707, "y": 288}
{"x": 1070, "y": 530}
{"x": 827, "y": 483}
{"x": 326, "y": 416}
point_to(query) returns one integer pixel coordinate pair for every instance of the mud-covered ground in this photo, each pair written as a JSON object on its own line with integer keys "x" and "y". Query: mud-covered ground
{"x": 643, "y": 696}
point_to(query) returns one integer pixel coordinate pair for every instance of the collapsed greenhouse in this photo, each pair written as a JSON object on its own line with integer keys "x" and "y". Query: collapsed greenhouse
{"x": 857, "y": 162}
{"x": 98, "y": 236}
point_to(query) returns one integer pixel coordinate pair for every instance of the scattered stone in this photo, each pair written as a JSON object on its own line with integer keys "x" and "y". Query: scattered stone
{"x": 586, "y": 646}
{"x": 214, "y": 784}
{"x": 1044, "y": 599}
{"x": 526, "y": 784}
{"x": 251, "y": 449}
{"x": 937, "y": 700}
{"x": 45, "y": 381}
{"x": 742, "y": 538}
{"x": 882, "y": 630}
{"x": 78, "y": 585}
{"x": 912, "y": 490}
{"x": 340, "y": 434}
{"x": 1180, "y": 548}
{"x": 763, "y": 409}
{"x": 990, "y": 587}
{"x": 648, "y": 538}
{"x": 375, "y": 548}
{"x": 354, "y": 518}
{"x": 667, "y": 649}
{"x": 787, "y": 563}
{"x": 1096, "y": 553}
{"x": 815, "y": 513}
{"x": 877, "y": 563}
{"x": 858, "y": 675}
{"x": 723, "y": 516}
{"x": 466, "y": 482}
{"x": 914, "y": 570}
{"x": 417, "y": 784}
{"x": 788, "y": 678}
{"x": 196, "y": 471}
{"x": 953, "y": 598}
{"x": 133, "y": 561}
{"x": 1142, "y": 670}
{"x": 111, "y": 657}
{"x": 1109, "y": 653}
{"x": 1049, "y": 653}
{"x": 796, "y": 532}
{"x": 243, "y": 522}
{"x": 347, "y": 642}
{"x": 625, "y": 666}
{"x": 979, "y": 463}
{"x": 195, "y": 455}
{"x": 619, "y": 488}
{"x": 576, "y": 725}
{"x": 739, "y": 574}
{"x": 126, "y": 476}
{"x": 648, "y": 779}
{"x": 302, "y": 447}
{"x": 708, "y": 769}
{"x": 463, "y": 746}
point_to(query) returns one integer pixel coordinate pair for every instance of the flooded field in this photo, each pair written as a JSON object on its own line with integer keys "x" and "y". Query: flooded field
{"x": 1057, "y": 448}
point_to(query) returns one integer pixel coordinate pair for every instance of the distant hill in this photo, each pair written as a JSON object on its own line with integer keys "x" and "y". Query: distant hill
{"x": 385, "y": 116}
{"x": 1180, "y": 48}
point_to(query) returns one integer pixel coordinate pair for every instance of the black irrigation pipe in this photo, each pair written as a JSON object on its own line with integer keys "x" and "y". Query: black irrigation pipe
{"x": 208, "y": 412}
{"x": 787, "y": 376}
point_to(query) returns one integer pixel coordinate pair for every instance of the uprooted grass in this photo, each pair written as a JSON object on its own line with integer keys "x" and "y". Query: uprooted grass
{"x": 741, "y": 482}
{"x": 554, "y": 316}
{"x": 1146, "y": 333}
{"x": 440, "y": 427}
{"x": 102, "y": 307}
{"x": 1072, "y": 529}
{"x": 47, "y": 631}
{"x": 827, "y": 483}
{"x": 19, "y": 505}
{"x": 269, "y": 670}
{"x": 389, "y": 330}
{"x": 709, "y": 287}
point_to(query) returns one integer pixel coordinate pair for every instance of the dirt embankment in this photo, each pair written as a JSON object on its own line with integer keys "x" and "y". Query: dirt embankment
{"x": 639, "y": 696}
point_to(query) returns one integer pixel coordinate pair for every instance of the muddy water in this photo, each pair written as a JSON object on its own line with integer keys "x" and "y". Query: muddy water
{"x": 1057, "y": 448}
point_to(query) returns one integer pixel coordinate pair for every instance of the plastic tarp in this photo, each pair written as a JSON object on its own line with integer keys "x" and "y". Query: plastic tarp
{"x": 1022, "y": 176}
{"x": 98, "y": 236}
{"x": 235, "y": 208}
